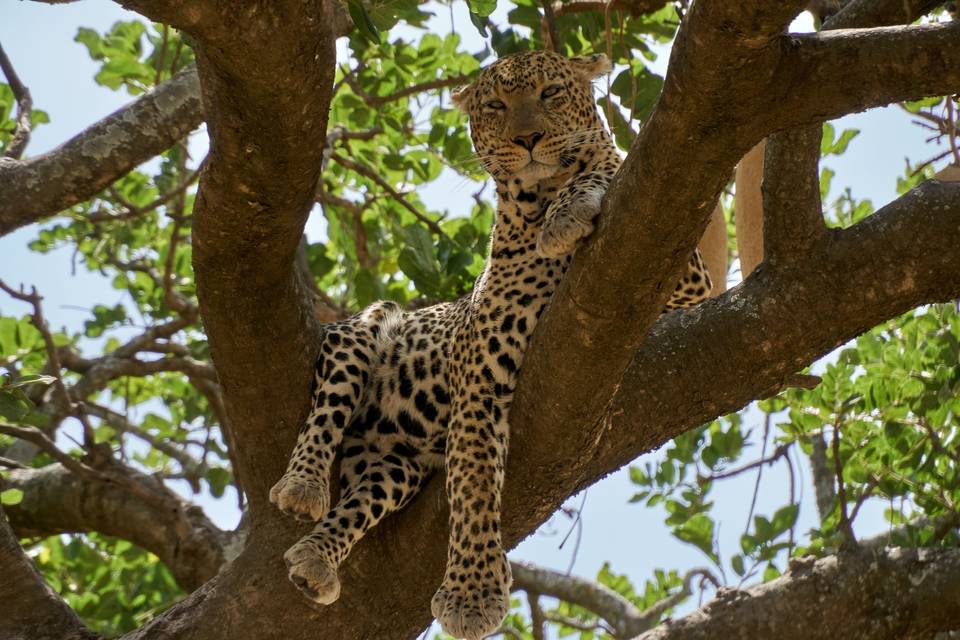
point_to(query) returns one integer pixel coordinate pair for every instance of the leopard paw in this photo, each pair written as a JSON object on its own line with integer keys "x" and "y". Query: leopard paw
{"x": 474, "y": 609}
{"x": 306, "y": 499}
{"x": 312, "y": 574}
{"x": 564, "y": 227}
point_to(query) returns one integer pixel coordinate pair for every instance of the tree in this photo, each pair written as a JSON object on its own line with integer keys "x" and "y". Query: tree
{"x": 882, "y": 421}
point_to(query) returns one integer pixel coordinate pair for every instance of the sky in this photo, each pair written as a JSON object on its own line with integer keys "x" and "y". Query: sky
{"x": 39, "y": 40}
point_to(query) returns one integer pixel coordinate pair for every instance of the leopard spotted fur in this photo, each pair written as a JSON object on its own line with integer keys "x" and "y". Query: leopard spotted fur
{"x": 401, "y": 393}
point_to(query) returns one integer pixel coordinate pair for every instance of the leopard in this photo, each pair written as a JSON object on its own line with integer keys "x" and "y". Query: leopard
{"x": 401, "y": 394}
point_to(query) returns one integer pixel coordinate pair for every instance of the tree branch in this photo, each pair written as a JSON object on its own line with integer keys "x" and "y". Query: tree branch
{"x": 624, "y": 619}
{"x": 268, "y": 109}
{"x": 823, "y": 478}
{"x": 257, "y": 313}
{"x": 375, "y": 101}
{"x": 89, "y": 162}
{"x": 832, "y": 73}
{"x": 875, "y": 13}
{"x": 368, "y": 173}
{"x": 56, "y": 501}
{"x": 29, "y": 608}
{"x": 21, "y": 135}
{"x": 895, "y": 594}
{"x": 793, "y": 218}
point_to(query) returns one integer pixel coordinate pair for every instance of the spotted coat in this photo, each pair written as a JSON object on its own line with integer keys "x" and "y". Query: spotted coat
{"x": 402, "y": 393}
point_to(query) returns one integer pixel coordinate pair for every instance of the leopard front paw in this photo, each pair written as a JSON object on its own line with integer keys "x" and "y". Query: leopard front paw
{"x": 311, "y": 572}
{"x": 566, "y": 226}
{"x": 306, "y": 499}
{"x": 475, "y": 608}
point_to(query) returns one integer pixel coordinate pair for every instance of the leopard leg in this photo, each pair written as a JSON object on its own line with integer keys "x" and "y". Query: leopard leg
{"x": 342, "y": 369}
{"x": 475, "y": 594}
{"x": 570, "y": 217}
{"x": 376, "y": 484}
{"x": 694, "y": 286}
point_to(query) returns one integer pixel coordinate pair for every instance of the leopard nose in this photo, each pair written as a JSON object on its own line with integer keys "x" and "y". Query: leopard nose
{"x": 530, "y": 140}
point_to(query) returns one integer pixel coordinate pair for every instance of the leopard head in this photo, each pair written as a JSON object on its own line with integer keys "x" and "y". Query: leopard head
{"x": 530, "y": 110}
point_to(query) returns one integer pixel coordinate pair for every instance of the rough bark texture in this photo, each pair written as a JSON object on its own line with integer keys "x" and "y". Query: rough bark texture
{"x": 887, "y": 594}
{"x": 58, "y": 501}
{"x": 92, "y": 160}
{"x": 31, "y": 609}
{"x": 631, "y": 388}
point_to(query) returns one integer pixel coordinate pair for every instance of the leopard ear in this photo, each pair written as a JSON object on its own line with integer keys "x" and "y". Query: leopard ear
{"x": 590, "y": 67}
{"x": 464, "y": 97}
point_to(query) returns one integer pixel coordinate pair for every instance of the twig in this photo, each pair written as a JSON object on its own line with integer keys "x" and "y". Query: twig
{"x": 172, "y": 297}
{"x": 536, "y": 615}
{"x": 53, "y": 355}
{"x": 793, "y": 500}
{"x": 822, "y": 476}
{"x": 846, "y": 527}
{"x": 12, "y": 464}
{"x": 952, "y": 132}
{"x": 756, "y": 486}
{"x": 21, "y": 136}
{"x": 579, "y": 625}
{"x": 161, "y": 55}
{"x": 378, "y": 101}
{"x": 133, "y": 211}
{"x": 39, "y": 438}
{"x": 633, "y": 7}
{"x": 383, "y": 184}
{"x": 548, "y": 27}
{"x": 872, "y": 483}
{"x": 192, "y": 470}
{"x": 778, "y": 453}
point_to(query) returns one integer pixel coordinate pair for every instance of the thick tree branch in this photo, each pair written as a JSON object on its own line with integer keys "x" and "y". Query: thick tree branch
{"x": 683, "y": 376}
{"x": 793, "y": 218}
{"x": 55, "y": 500}
{"x": 786, "y": 316}
{"x": 270, "y": 117}
{"x": 832, "y": 73}
{"x": 607, "y": 302}
{"x": 29, "y": 608}
{"x": 89, "y": 162}
{"x": 876, "y": 13}
{"x": 793, "y": 163}
{"x": 895, "y": 594}
{"x": 268, "y": 107}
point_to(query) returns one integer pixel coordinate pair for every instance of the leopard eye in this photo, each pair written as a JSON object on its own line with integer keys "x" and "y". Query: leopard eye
{"x": 549, "y": 92}
{"x": 495, "y": 104}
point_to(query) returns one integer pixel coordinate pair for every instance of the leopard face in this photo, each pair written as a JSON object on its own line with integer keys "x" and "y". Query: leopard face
{"x": 531, "y": 111}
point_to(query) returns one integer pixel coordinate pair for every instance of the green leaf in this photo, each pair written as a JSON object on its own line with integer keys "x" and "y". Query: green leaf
{"x": 418, "y": 262}
{"x": 785, "y": 517}
{"x": 698, "y": 531}
{"x": 218, "y": 478}
{"x": 14, "y": 406}
{"x": 482, "y": 8}
{"x": 11, "y": 497}
{"x": 737, "y": 563}
{"x": 480, "y": 23}
{"x": 362, "y": 21}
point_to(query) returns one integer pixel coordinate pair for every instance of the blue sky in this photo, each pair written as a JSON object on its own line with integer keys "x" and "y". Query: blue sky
{"x": 39, "y": 40}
